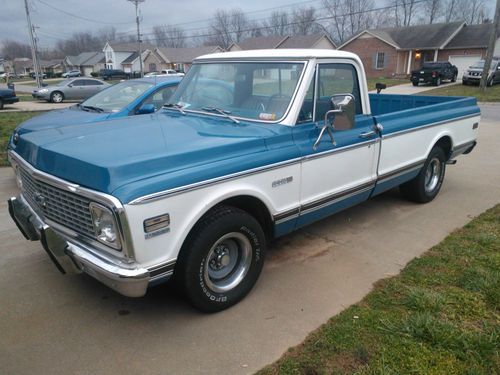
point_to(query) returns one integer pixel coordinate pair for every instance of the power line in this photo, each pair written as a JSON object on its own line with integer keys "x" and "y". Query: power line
{"x": 245, "y": 13}
{"x": 292, "y": 23}
{"x": 80, "y": 17}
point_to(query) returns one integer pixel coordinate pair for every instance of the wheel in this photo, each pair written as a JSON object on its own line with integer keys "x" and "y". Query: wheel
{"x": 426, "y": 185}
{"x": 415, "y": 83}
{"x": 454, "y": 79}
{"x": 221, "y": 260}
{"x": 490, "y": 82}
{"x": 56, "y": 97}
{"x": 1, "y": 104}
{"x": 438, "y": 81}
{"x": 464, "y": 83}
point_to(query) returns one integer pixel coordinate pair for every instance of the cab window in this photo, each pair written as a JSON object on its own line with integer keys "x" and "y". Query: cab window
{"x": 334, "y": 79}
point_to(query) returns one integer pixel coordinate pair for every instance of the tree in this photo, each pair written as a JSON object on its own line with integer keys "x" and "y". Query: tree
{"x": 303, "y": 21}
{"x": 433, "y": 9}
{"x": 278, "y": 24}
{"x": 349, "y": 17}
{"x": 169, "y": 36}
{"x": 404, "y": 11}
{"x": 228, "y": 27}
{"x": 12, "y": 49}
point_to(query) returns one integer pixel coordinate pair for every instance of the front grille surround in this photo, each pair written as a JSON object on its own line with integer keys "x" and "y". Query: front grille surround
{"x": 62, "y": 207}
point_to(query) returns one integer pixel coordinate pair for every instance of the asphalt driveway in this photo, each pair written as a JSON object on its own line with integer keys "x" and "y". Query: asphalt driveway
{"x": 55, "y": 324}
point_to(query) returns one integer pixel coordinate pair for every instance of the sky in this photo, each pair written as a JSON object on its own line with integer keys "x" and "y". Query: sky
{"x": 53, "y": 25}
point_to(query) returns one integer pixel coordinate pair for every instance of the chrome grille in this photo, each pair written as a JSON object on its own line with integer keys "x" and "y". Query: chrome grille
{"x": 65, "y": 208}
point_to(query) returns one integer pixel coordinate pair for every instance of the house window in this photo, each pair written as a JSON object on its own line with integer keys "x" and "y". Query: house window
{"x": 380, "y": 60}
{"x": 152, "y": 67}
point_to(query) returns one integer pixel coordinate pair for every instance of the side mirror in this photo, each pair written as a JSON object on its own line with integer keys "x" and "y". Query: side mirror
{"x": 341, "y": 117}
{"x": 145, "y": 109}
{"x": 380, "y": 86}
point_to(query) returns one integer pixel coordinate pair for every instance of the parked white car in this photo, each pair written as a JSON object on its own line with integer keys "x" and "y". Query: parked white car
{"x": 165, "y": 72}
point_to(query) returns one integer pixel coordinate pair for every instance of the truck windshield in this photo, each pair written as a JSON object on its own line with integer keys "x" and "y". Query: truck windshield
{"x": 118, "y": 96}
{"x": 252, "y": 90}
{"x": 478, "y": 65}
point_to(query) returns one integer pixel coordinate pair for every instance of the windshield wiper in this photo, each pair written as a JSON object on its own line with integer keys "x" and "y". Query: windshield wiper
{"x": 175, "y": 106}
{"x": 91, "y": 108}
{"x": 221, "y": 112}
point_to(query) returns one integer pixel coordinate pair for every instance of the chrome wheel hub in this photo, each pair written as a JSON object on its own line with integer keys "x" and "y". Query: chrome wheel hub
{"x": 228, "y": 262}
{"x": 432, "y": 175}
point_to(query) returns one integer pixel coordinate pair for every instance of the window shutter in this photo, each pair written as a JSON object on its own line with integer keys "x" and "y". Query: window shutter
{"x": 374, "y": 61}
{"x": 385, "y": 60}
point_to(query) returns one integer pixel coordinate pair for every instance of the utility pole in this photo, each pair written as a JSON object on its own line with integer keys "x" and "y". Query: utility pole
{"x": 139, "y": 41}
{"x": 491, "y": 48}
{"x": 34, "y": 51}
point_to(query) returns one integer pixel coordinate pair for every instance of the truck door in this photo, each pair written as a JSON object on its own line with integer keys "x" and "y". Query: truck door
{"x": 339, "y": 173}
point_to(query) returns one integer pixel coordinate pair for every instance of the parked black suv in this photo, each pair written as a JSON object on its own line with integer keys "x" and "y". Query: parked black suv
{"x": 435, "y": 73}
{"x": 113, "y": 74}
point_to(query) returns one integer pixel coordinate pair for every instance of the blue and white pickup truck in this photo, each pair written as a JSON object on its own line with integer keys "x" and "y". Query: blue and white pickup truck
{"x": 197, "y": 190}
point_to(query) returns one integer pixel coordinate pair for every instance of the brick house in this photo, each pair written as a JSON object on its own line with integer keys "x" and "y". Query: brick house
{"x": 181, "y": 58}
{"x": 397, "y": 51}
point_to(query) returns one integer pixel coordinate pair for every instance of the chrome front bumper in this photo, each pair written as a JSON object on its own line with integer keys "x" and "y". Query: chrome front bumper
{"x": 71, "y": 257}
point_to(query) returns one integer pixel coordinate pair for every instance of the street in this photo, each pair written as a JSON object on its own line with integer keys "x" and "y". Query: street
{"x": 56, "y": 324}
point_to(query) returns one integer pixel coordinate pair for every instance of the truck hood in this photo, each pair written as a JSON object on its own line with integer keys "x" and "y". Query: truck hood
{"x": 164, "y": 150}
{"x": 60, "y": 118}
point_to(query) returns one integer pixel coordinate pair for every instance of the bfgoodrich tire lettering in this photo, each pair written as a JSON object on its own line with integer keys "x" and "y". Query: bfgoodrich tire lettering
{"x": 426, "y": 185}
{"x": 222, "y": 259}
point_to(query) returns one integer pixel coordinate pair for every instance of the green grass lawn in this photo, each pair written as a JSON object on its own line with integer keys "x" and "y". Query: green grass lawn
{"x": 441, "y": 315}
{"x": 388, "y": 81}
{"x": 8, "y": 122}
{"x": 492, "y": 94}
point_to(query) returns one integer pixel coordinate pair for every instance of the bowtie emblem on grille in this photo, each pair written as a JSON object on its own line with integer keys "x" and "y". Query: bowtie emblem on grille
{"x": 40, "y": 199}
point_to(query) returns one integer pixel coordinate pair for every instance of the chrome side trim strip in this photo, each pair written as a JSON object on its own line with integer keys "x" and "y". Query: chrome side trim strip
{"x": 198, "y": 185}
{"x": 322, "y": 202}
{"x": 405, "y": 131}
{"x": 400, "y": 171}
{"x": 105, "y": 199}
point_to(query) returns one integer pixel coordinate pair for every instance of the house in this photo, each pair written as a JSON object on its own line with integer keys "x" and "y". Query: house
{"x": 53, "y": 68}
{"x": 397, "y": 51}
{"x": 181, "y": 58}
{"x": 86, "y": 62}
{"x": 22, "y": 66}
{"x": 322, "y": 41}
{"x": 125, "y": 55}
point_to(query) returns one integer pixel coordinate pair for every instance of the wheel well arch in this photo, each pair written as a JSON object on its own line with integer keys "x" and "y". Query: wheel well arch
{"x": 254, "y": 207}
{"x": 446, "y": 144}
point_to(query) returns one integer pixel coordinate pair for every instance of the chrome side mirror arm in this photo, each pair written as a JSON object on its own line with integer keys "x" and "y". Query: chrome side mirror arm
{"x": 327, "y": 127}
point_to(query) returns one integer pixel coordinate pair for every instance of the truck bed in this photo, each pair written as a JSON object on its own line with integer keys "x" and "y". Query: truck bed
{"x": 417, "y": 110}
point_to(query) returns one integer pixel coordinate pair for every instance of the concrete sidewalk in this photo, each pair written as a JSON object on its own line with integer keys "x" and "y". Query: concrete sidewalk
{"x": 36, "y": 106}
{"x": 409, "y": 89}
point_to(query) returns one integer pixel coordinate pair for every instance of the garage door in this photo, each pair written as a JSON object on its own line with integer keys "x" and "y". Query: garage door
{"x": 463, "y": 62}
{"x": 87, "y": 71}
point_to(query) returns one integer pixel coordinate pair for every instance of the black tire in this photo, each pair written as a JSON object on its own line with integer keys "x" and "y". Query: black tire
{"x": 424, "y": 188}
{"x": 489, "y": 83}
{"x": 415, "y": 83}
{"x": 1, "y": 104}
{"x": 465, "y": 83}
{"x": 454, "y": 79}
{"x": 437, "y": 82}
{"x": 57, "y": 97}
{"x": 221, "y": 260}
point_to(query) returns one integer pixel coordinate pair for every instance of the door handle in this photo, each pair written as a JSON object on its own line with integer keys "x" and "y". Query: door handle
{"x": 367, "y": 134}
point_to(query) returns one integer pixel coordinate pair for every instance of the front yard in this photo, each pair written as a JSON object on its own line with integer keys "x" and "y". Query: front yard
{"x": 8, "y": 122}
{"x": 492, "y": 94}
{"x": 441, "y": 315}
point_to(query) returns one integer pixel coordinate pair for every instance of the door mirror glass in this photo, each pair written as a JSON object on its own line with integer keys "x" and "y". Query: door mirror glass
{"x": 342, "y": 112}
{"x": 339, "y": 117}
{"x": 146, "y": 108}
